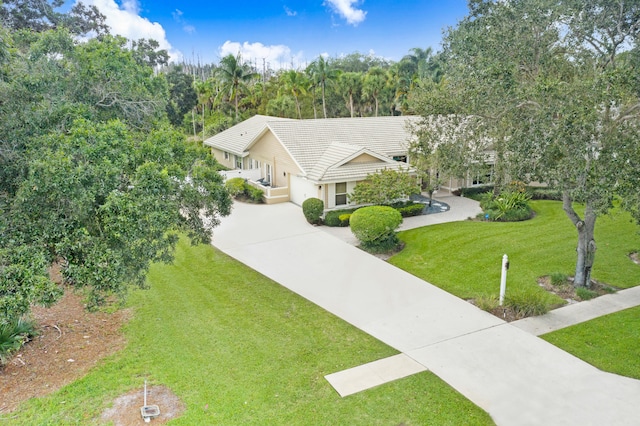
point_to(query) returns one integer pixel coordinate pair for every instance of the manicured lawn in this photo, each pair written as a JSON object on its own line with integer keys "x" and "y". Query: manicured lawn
{"x": 238, "y": 349}
{"x": 464, "y": 258}
{"x": 611, "y": 342}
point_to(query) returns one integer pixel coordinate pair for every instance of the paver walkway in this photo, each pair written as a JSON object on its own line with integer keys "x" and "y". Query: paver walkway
{"x": 516, "y": 377}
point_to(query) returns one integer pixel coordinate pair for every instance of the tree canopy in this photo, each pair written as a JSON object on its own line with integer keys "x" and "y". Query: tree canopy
{"x": 552, "y": 86}
{"x": 93, "y": 176}
{"x": 385, "y": 187}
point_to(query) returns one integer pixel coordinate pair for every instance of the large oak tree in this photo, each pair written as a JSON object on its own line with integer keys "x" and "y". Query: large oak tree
{"x": 553, "y": 86}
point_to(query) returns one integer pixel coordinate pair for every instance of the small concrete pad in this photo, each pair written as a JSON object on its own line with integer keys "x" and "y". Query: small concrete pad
{"x": 367, "y": 376}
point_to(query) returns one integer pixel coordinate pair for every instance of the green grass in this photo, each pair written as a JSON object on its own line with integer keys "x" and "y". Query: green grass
{"x": 238, "y": 349}
{"x": 464, "y": 258}
{"x": 611, "y": 342}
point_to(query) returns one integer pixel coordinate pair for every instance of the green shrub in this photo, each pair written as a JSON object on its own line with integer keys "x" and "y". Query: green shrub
{"x": 312, "y": 209}
{"x": 375, "y": 227}
{"x": 235, "y": 186}
{"x": 473, "y": 192}
{"x": 344, "y": 219}
{"x": 558, "y": 278}
{"x": 544, "y": 193}
{"x": 530, "y": 302}
{"x": 332, "y": 218}
{"x": 253, "y": 193}
{"x": 13, "y": 335}
{"x": 585, "y": 294}
{"x": 487, "y": 303}
{"x": 509, "y": 206}
{"x": 411, "y": 210}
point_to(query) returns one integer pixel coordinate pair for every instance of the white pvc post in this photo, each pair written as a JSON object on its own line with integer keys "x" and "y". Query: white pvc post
{"x": 503, "y": 277}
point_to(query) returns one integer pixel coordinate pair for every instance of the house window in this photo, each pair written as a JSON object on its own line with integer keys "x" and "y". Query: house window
{"x": 341, "y": 193}
{"x": 268, "y": 172}
{"x": 238, "y": 162}
{"x": 400, "y": 158}
{"x": 226, "y": 155}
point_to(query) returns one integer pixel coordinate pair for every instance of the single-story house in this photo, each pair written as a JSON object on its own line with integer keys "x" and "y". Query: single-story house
{"x": 292, "y": 160}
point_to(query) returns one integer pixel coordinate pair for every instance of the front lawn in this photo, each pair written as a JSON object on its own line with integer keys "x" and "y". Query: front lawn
{"x": 464, "y": 258}
{"x": 611, "y": 342}
{"x": 239, "y": 349}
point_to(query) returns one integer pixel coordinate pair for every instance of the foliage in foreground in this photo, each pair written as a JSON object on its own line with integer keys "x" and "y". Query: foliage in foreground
{"x": 13, "y": 335}
{"x": 108, "y": 201}
{"x": 238, "y": 348}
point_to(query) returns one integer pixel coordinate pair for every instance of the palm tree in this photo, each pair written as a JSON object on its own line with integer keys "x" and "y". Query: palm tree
{"x": 374, "y": 83}
{"x": 322, "y": 74}
{"x": 351, "y": 86}
{"x": 297, "y": 84}
{"x": 234, "y": 76}
{"x": 418, "y": 60}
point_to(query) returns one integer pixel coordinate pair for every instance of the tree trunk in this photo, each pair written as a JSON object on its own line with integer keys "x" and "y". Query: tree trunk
{"x": 351, "y": 103}
{"x": 376, "y": 106}
{"x": 586, "y": 242}
{"x": 193, "y": 119}
{"x": 298, "y": 108}
{"x": 324, "y": 106}
{"x": 315, "y": 112}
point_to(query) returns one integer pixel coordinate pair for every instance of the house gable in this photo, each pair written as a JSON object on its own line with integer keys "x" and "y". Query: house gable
{"x": 364, "y": 158}
{"x": 267, "y": 149}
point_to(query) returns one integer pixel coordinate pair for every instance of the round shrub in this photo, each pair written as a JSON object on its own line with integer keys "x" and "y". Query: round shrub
{"x": 312, "y": 209}
{"x": 375, "y": 227}
{"x": 235, "y": 186}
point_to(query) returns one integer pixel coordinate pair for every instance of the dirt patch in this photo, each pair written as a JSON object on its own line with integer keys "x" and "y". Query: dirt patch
{"x": 126, "y": 408}
{"x": 71, "y": 340}
{"x": 635, "y": 258}
{"x": 567, "y": 291}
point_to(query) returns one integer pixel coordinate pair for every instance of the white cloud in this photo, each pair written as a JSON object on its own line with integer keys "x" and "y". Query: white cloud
{"x": 177, "y": 16}
{"x": 347, "y": 9}
{"x": 274, "y": 57}
{"x": 126, "y": 21}
{"x": 290, "y": 12}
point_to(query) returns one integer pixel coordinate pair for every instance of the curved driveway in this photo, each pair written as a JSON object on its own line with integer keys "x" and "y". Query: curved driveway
{"x": 516, "y": 377}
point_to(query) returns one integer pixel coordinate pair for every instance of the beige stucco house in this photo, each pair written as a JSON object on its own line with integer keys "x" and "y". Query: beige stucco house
{"x": 292, "y": 160}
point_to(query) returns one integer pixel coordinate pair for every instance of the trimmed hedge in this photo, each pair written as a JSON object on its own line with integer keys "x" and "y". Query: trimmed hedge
{"x": 412, "y": 210}
{"x": 312, "y": 209}
{"x": 375, "y": 227}
{"x": 332, "y": 218}
{"x": 473, "y": 192}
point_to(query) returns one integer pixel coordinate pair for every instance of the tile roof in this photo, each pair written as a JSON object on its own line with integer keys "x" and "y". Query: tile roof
{"x": 321, "y": 146}
{"x": 236, "y": 139}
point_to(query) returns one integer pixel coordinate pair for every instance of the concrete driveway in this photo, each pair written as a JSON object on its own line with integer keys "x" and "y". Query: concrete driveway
{"x": 516, "y": 377}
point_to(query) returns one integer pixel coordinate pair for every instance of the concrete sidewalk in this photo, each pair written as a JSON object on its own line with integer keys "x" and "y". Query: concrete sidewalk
{"x": 516, "y": 377}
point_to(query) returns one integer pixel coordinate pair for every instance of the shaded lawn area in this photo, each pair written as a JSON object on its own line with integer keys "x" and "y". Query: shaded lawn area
{"x": 239, "y": 349}
{"x": 464, "y": 258}
{"x": 611, "y": 342}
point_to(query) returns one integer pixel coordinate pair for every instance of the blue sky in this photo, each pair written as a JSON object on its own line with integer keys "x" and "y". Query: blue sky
{"x": 283, "y": 32}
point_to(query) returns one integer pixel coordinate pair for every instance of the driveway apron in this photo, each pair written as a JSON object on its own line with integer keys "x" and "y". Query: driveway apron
{"x": 516, "y": 377}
